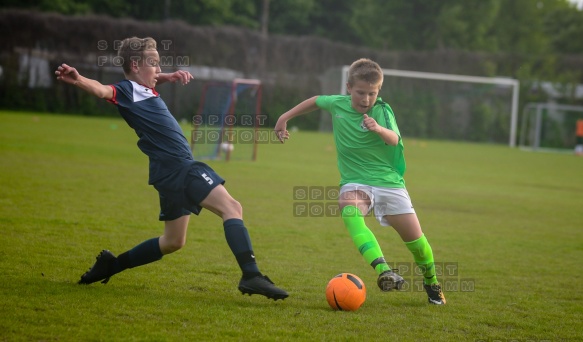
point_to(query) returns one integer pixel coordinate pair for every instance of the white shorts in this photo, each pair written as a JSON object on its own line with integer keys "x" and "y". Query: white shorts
{"x": 384, "y": 201}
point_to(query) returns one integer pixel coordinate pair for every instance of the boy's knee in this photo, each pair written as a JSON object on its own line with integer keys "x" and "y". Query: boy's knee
{"x": 234, "y": 208}
{"x": 173, "y": 245}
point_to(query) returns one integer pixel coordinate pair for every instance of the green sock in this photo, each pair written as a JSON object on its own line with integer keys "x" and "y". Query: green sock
{"x": 364, "y": 239}
{"x": 423, "y": 256}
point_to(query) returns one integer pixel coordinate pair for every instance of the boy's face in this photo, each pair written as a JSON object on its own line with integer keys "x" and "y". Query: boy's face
{"x": 147, "y": 69}
{"x": 363, "y": 95}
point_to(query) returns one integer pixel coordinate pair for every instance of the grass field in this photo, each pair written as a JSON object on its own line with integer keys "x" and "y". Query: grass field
{"x": 510, "y": 221}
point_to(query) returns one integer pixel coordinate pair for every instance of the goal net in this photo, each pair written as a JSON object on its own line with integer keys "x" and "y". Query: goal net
{"x": 227, "y": 121}
{"x": 444, "y": 106}
{"x": 549, "y": 126}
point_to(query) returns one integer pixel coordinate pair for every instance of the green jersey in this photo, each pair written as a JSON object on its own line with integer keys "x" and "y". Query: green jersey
{"x": 363, "y": 157}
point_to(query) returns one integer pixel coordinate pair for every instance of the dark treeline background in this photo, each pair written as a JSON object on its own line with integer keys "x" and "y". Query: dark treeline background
{"x": 509, "y": 26}
{"x": 291, "y": 45}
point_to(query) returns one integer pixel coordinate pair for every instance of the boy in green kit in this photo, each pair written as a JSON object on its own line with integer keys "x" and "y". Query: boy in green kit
{"x": 371, "y": 164}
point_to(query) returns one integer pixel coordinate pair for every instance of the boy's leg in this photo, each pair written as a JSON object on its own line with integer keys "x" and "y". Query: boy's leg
{"x": 238, "y": 239}
{"x": 107, "y": 265}
{"x": 369, "y": 248}
{"x": 353, "y": 203}
{"x": 408, "y": 227}
{"x": 364, "y": 239}
{"x": 220, "y": 202}
{"x": 146, "y": 252}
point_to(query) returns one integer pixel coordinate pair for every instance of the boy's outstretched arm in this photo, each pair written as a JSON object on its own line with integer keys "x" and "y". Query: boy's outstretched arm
{"x": 70, "y": 75}
{"x": 304, "y": 107}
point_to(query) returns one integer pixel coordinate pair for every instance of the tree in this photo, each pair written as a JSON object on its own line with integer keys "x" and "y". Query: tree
{"x": 427, "y": 25}
{"x": 564, "y": 26}
{"x": 515, "y": 26}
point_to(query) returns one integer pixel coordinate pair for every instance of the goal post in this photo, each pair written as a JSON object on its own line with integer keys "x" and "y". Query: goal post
{"x": 494, "y": 93}
{"x": 227, "y": 121}
{"x": 549, "y": 126}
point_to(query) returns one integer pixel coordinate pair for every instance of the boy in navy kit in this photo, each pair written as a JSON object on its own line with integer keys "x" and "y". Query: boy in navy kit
{"x": 184, "y": 185}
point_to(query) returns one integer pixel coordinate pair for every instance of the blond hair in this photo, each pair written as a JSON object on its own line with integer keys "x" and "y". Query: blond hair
{"x": 133, "y": 49}
{"x": 366, "y": 70}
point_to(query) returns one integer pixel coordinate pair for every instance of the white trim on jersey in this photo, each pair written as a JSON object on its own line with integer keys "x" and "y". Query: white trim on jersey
{"x": 141, "y": 93}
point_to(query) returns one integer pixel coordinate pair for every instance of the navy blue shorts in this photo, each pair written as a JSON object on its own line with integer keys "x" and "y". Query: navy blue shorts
{"x": 183, "y": 191}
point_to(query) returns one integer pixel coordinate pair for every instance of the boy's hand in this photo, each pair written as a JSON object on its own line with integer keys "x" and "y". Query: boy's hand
{"x": 67, "y": 74}
{"x": 178, "y": 76}
{"x": 387, "y": 135}
{"x": 371, "y": 124}
{"x": 281, "y": 131}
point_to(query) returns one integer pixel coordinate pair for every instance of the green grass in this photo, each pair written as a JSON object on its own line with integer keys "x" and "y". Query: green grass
{"x": 70, "y": 186}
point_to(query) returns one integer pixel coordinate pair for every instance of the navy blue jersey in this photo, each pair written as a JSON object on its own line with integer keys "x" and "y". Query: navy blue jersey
{"x": 160, "y": 135}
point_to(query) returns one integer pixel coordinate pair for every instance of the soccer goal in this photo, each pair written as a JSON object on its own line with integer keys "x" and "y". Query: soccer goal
{"x": 549, "y": 126}
{"x": 227, "y": 121}
{"x": 446, "y": 106}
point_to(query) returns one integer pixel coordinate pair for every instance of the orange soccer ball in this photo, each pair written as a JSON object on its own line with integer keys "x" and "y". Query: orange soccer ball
{"x": 345, "y": 292}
